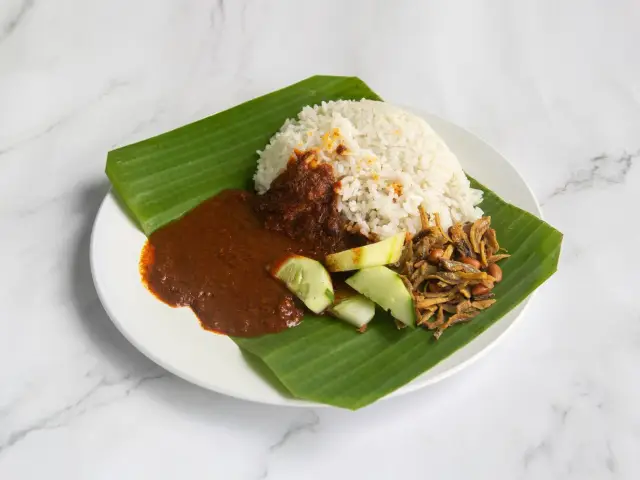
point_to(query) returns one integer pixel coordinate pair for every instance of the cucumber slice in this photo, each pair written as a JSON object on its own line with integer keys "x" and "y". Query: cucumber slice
{"x": 385, "y": 288}
{"x": 307, "y": 279}
{"x": 379, "y": 253}
{"x": 357, "y": 310}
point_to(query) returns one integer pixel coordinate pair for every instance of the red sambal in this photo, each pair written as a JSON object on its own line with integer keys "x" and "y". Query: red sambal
{"x": 215, "y": 258}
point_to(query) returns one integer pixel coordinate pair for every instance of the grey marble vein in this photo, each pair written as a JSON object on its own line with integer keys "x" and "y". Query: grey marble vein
{"x": 217, "y": 14}
{"x": 545, "y": 447}
{"x": 142, "y": 126}
{"x": 41, "y": 207}
{"x": 531, "y": 454}
{"x": 50, "y": 128}
{"x": 14, "y": 22}
{"x": 610, "y": 461}
{"x": 243, "y": 16}
{"x": 604, "y": 169}
{"x": 64, "y": 119}
{"x": 307, "y": 424}
{"x": 561, "y": 412}
{"x": 66, "y": 415}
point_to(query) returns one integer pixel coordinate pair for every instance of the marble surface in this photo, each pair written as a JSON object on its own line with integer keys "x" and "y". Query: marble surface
{"x": 555, "y": 86}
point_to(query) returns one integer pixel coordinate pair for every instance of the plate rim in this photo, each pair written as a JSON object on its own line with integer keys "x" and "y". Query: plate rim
{"x": 412, "y": 386}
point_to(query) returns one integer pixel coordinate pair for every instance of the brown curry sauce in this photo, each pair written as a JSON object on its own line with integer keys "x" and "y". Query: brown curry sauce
{"x": 215, "y": 258}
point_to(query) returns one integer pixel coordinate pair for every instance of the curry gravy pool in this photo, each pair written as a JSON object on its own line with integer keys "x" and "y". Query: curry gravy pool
{"x": 215, "y": 259}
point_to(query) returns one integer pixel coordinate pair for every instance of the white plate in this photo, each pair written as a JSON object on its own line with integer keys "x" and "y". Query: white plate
{"x": 173, "y": 338}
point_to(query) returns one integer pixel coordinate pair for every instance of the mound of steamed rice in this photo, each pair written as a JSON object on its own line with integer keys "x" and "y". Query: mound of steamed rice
{"x": 393, "y": 162}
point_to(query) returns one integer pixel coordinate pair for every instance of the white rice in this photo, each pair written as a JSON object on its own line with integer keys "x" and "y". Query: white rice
{"x": 394, "y": 162}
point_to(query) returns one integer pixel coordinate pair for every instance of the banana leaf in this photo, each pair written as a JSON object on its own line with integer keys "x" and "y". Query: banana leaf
{"x": 162, "y": 178}
{"x": 322, "y": 359}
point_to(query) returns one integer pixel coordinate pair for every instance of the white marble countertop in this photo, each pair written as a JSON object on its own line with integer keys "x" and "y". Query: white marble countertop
{"x": 553, "y": 85}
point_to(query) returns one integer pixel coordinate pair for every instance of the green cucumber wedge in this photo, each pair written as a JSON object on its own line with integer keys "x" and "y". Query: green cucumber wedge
{"x": 307, "y": 279}
{"x": 357, "y": 310}
{"x": 380, "y": 253}
{"x": 384, "y": 287}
